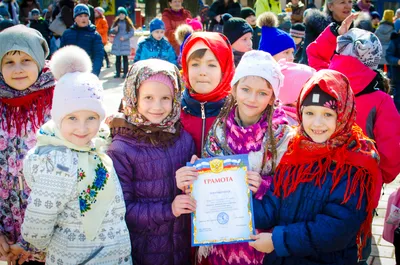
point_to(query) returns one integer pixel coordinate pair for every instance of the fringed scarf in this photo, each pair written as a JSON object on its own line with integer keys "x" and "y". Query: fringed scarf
{"x": 220, "y": 47}
{"x": 29, "y": 105}
{"x": 135, "y": 124}
{"x": 348, "y": 149}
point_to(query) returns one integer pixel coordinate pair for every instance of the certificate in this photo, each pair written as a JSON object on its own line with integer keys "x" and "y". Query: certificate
{"x": 224, "y": 212}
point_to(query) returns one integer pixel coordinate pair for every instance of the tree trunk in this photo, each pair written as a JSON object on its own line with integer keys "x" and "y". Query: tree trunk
{"x": 150, "y": 10}
{"x": 192, "y": 6}
{"x": 163, "y": 5}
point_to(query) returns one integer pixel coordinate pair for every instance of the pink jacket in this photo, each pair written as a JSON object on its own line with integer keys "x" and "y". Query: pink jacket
{"x": 376, "y": 112}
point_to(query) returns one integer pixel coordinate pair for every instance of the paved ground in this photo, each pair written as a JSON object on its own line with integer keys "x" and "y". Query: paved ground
{"x": 382, "y": 251}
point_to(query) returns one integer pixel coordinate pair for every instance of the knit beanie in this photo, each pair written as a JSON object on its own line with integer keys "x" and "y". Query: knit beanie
{"x": 298, "y": 30}
{"x": 375, "y": 14}
{"x": 77, "y": 88}
{"x": 261, "y": 64}
{"x": 27, "y": 40}
{"x": 156, "y": 24}
{"x": 35, "y": 11}
{"x": 246, "y": 12}
{"x": 160, "y": 78}
{"x": 122, "y": 10}
{"x": 273, "y": 40}
{"x": 235, "y": 27}
{"x": 195, "y": 24}
{"x": 388, "y": 15}
{"x": 318, "y": 97}
{"x": 81, "y": 9}
{"x": 361, "y": 44}
{"x": 296, "y": 75}
{"x": 100, "y": 10}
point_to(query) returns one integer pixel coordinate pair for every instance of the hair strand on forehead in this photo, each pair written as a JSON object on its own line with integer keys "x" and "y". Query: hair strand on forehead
{"x": 198, "y": 54}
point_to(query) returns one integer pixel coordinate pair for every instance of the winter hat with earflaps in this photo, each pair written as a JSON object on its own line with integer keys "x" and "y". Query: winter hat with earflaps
{"x": 77, "y": 88}
{"x": 361, "y": 44}
{"x": 261, "y": 64}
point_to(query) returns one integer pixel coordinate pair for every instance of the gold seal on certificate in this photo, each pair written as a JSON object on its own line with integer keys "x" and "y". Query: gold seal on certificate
{"x": 224, "y": 212}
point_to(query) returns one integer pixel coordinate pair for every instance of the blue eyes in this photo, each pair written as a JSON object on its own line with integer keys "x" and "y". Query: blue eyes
{"x": 91, "y": 118}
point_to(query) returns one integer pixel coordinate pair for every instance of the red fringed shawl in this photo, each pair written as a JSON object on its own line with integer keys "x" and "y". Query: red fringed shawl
{"x": 347, "y": 151}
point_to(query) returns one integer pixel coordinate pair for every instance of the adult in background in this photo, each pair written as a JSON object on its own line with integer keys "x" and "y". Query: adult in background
{"x": 172, "y": 17}
{"x": 25, "y": 8}
{"x": 13, "y": 10}
{"x": 397, "y": 21}
{"x": 383, "y": 33}
{"x": 316, "y": 21}
{"x": 262, "y": 6}
{"x": 220, "y": 7}
{"x": 297, "y": 8}
{"x": 364, "y": 6}
{"x": 66, "y": 8}
{"x": 84, "y": 35}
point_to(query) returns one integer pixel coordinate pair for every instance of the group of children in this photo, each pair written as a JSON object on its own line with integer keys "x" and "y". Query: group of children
{"x": 77, "y": 191}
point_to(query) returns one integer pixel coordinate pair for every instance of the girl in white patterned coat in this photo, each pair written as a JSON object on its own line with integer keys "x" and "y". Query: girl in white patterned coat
{"x": 75, "y": 210}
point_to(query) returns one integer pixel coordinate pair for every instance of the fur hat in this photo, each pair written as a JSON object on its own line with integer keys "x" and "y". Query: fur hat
{"x": 156, "y": 24}
{"x": 77, "y": 88}
{"x": 81, "y": 9}
{"x": 122, "y": 10}
{"x": 361, "y": 44}
{"x": 273, "y": 40}
{"x": 235, "y": 27}
{"x": 195, "y": 24}
{"x": 261, "y": 64}
{"x": 27, "y": 40}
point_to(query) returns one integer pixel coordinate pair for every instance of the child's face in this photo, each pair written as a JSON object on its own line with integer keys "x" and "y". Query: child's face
{"x": 375, "y": 21}
{"x": 158, "y": 34}
{"x": 82, "y": 20}
{"x": 244, "y": 43}
{"x": 297, "y": 40}
{"x": 251, "y": 20}
{"x": 121, "y": 16}
{"x": 80, "y": 127}
{"x": 204, "y": 73}
{"x": 155, "y": 101}
{"x": 19, "y": 69}
{"x": 287, "y": 54}
{"x": 35, "y": 17}
{"x": 253, "y": 94}
{"x": 319, "y": 122}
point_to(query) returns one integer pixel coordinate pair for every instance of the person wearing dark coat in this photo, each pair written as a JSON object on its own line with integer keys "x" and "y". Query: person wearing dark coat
{"x": 84, "y": 35}
{"x": 220, "y": 7}
{"x": 66, "y": 8}
{"x": 37, "y": 22}
{"x": 393, "y": 59}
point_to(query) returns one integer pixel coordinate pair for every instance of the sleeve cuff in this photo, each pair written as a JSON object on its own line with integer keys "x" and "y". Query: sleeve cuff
{"x": 334, "y": 29}
{"x": 264, "y": 187}
{"x": 278, "y": 239}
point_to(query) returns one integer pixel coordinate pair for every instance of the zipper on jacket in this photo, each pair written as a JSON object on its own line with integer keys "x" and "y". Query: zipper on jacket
{"x": 203, "y": 127}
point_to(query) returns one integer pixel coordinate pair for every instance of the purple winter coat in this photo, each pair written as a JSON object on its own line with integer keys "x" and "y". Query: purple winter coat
{"x": 147, "y": 176}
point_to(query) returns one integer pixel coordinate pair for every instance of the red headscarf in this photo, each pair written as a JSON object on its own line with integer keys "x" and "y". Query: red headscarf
{"x": 222, "y": 50}
{"x": 348, "y": 148}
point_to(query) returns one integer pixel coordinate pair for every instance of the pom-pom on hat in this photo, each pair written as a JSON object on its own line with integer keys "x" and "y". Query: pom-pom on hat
{"x": 194, "y": 23}
{"x": 122, "y": 10}
{"x": 273, "y": 40}
{"x": 99, "y": 10}
{"x": 298, "y": 30}
{"x": 296, "y": 75}
{"x": 261, "y": 64}
{"x": 81, "y": 9}
{"x": 77, "y": 88}
{"x": 361, "y": 44}
{"x": 235, "y": 27}
{"x": 245, "y": 12}
{"x": 27, "y": 40}
{"x": 156, "y": 24}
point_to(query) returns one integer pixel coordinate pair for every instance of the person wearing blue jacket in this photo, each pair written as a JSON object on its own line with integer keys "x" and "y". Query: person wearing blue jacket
{"x": 319, "y": 204}
{"x": 84, "y": 35}
{"x": 156, "y": 46}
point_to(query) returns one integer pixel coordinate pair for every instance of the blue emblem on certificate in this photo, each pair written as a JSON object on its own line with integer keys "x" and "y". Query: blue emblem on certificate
{"x": 224, "y": 212}
{"x": 223, "y": 218}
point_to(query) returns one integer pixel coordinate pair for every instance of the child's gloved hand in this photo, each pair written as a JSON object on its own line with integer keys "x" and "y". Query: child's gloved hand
{"x": 4, "y": 247}
{"x": 185, "y": 176}
{"x": 263, "y": 242}
{"x": 183, "y": 204}
{"x": 254, "y": 180}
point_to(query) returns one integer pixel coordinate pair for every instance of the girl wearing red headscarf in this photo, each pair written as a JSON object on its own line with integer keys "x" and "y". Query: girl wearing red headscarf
{"x": 207, "y": 65}
{"x": 320, "y": 204}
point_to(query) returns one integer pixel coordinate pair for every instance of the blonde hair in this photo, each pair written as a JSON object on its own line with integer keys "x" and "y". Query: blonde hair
{"x": 181, "y": 32}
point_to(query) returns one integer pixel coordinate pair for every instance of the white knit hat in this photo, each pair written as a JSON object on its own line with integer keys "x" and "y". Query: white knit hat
{"x": 262, "y": 64}
{"x": 77, "y": 88}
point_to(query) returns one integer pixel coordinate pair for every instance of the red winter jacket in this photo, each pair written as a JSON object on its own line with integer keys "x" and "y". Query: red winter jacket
{"x": 376, "y": 112}
{"x": 172, "y": 20}
{"x": 194, "y": 126}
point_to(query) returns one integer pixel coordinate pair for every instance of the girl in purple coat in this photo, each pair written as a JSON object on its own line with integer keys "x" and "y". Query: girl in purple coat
{"x": 149, "y": 145}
